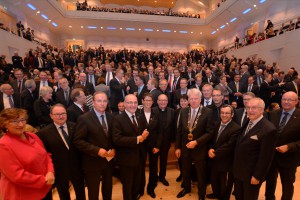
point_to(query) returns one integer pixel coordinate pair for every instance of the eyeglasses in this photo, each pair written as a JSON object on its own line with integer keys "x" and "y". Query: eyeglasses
{"x": 288, "y": 100}
{"x": 17, "y": 121}
{"x": 216, "y": 95}
{"x": 252, "y": 108}
{"x": 131, "y": 102}
{"x": 225, "y": 113}
{"x": 59, "y": 114}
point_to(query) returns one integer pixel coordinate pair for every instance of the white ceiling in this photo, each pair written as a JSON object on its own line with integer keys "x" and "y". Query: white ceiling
{"x": 212, "y": 23}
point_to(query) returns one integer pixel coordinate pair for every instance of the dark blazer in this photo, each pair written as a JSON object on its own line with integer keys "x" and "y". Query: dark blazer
{"x": 190, "y": 82}
{"x": 42, "y": 111}
{"x": 132, "y": 85}
{"x": 176, "y": 98}
{"x": 290, "y": 136}
{"x": 66, "y": 161}
{"x": 90, "y": 137}
{"x": 238, "y": 117}
{"x": 254, "y": 89}
{"x": 14, "y": 83}
{"x": 155, "y": 93}
{"x": 60, "y": 98}
{"x": 224, "y": 146}
{"x": 140, "y": 96}
{"x": 265, "y": 92}
{"x": 216, "y": 112}
{"x": 16, "y": 99}
{"x": 36, "y": 63}
{"x": 254, "y": 152}
{"x": 291, "y": 87}
{"x": 203, "y": 133}
{"x": 214, "y": 79}
{"x": 168, "y": 135}
{"x": 74, "y": 112}
{"x": 88, "y": 86}
{"x": 124, "y": 135}
{"x": 116, "y": 94}
{"x": 148, "y": 77}
{"x": 27, "y": 100}
{"x": 38, "y": 83}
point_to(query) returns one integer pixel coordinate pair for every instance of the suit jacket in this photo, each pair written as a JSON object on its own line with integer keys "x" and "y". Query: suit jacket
{"x": 38, "y": 83}
{"x": 16, "y": 99}
{"x": 116, "y": 94}
{"x": 238, "y": 117}
{"x": 202, "y": 133}
{"x": 131, "y": 84}
{"x": 155, "y": 93}
{"x": 66, "y": 161}
{"x": 254, "y": 151}
{"x": 290, "y": 136}
{"x": 88, "y": 86}
{"x": 224, "y": 146}
{"x": 129, "y": 152}
{"x": 167, "y": 135}
{"x": 190, "y": 82}
{"x": 42, "y": 111}
{"x": 214, "y": 79}
{"x": 291, "y": 87}
{"x": 60, "y": 98}
{"x": 90, "y": 137}
{"x": 176, "y": 98}
{"x": 148, "y": 77}
{"x": 74, "y": 112}
{"x": 265, "y": 92}
{"x": 233, "y": 88}
{"x": 27, "y": 100}
{"x": 14, "y": 83}
{"x": 140, "y": 96}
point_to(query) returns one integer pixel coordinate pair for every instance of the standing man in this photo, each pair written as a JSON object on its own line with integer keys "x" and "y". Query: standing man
{"x": 83, "y": 81}
{"x": 217, "y": 98}
{"x": 117, "y": 88}
{"x": 93, "y": 139}
{"x": 141, "y": 88}
{"x": 221, "y": 154}
{"x": 78, "y": 106}
{"x": 63, "y": 96}
{"x": 286, "y": 159}
{"x": 58, "y": 138}
{"x": 207, "y": 95}
{"x": 254, "y": 152}
{"x": 178, "y": 93}
{"x": 151, "y": 86}
{"x": 237, "y": 90}
{"x": 19, "y": 83}
{"x": 8, "y": 99}
{"x": 241, "y": 114}
{"x": 166, "y": 135}
{"x": 194, "y": 132}
{"x": 129, "y": 135}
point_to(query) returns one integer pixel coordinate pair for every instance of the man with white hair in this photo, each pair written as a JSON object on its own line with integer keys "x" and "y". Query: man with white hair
{"x": 254, "y": 152}
{"x": 194, "y": 132}
{"x": 258, "y": 78}
{"x": 8, "y": 99}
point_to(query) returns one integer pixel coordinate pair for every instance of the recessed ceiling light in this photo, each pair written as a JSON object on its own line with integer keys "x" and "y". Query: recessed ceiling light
{"x": 73, "y": 38}
{"x": 31, "y": 6}
{"x": 70, "y": 26}
{"x": 166, "y": 31}
{"x": 157, "y": 30}
{"x": 246, "y": 11}
{"x": 111, "y": 28}
{"x": 183, "y": 32}
{"x": 262, "y": 1}
{"x": 192, "y": 32}
{"x": 227, "y": 23}
{"x": 217, "y": 29}
{"x": 49, "y": 20}
{"x": 81, "y": 26}
{"x": 101, "y": 27}
{"x": 130, "y": 29}
{"x": 201, "y": 3}
{"x": 214, "y": 32}
{"x": 175, "y": 31}
{"x": 233, "y": 19}
{"x": 44, "y": 16}
{"x": 121, "y": 28}
{"x": 140, "y": 29}
{"x": 148, "y": 29}
{"x": 223, "y": 26}
{"x": 197, "y": 43}
{"x": 200, "y": 33}
{"x": 155, "y": 1}
{"x": 254, "y": 5}
{"x": 54, "y": 24}
{"x": 92, "y": 27}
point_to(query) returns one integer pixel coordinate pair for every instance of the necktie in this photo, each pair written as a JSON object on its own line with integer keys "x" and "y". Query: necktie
{"x": 249, "y": 127}
{"x": 67, "y": 97}
{"x": 44, "y": 83}
{"x": 139, "y": 90}
{"x": 170, "y": 82}
{"x": 283, "y": 122}
{"x": 134, "y": 123}
{"x": 193, "y": 118}
{"x": 83, "y": 108}
{"x": 20, "y": 86}
{"x": 208, "y": 79}
{"x": 237, "y": 86}
{"x": 64, "y": 133}
{"x": 222, "y": 127}
{"x": 11, "y": 103}
{"x": 104, "y": 124}
{"x": 174, "y": 85}
{"x": 249, "y": 88}
{"x": 207, "y": 102}
{"x": 259, "y": 81}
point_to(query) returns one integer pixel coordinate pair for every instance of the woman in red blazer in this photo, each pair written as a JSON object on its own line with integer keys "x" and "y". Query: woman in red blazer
{"x": 26, "y": 170}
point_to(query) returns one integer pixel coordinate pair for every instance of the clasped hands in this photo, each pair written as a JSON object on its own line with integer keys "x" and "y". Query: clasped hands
{"x": 144, "y": 136}
{"x": 104, "y": 153}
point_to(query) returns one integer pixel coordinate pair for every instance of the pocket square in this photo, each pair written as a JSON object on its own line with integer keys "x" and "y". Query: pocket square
{"x": 254, "y": 137}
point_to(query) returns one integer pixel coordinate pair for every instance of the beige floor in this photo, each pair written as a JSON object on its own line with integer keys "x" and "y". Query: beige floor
{"x": 170, "y": 192}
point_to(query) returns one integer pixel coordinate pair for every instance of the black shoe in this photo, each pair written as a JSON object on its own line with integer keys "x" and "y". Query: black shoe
{"x": 139, "y": 196}
{"x": 202, "y": 198}
{"x": 179, "y": 178}
{"x": 164, "y": 182}
{"x": 182, "y": 193}
{"x": 151, "y": 194}
{"x": 211, "y": 196}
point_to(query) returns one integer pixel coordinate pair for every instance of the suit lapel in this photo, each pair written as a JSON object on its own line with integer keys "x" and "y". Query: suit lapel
{"x": 96, "y": 120}
{"x": 277, "y": 118}
{"x": 57, "y": 135}
{"x": 128, "y": 121}
{"x": 292, "y": 118}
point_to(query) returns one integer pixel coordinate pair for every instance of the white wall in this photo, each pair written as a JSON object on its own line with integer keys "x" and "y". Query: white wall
{"x": 10, "y": 43}
{"x": 283, "y": 49}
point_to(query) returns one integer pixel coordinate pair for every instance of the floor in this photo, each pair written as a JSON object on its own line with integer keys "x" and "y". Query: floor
{"x": 170, "y": 192}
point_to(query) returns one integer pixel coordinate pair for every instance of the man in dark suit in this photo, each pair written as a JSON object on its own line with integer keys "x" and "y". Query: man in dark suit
{"x": 83, "y": 81}
{"x": 210, "y": 78}
{"x": 28, "y": 96}
{"x": 163, "y": 88}
{"x": 93, "y": 138}
{"x": 8, "y": 99}
{"x": 17, "y": 61}
{"x": 166, "y": 135}
{"x": 241, "y": 117}
{"x": 141, "y": 88}
{"x": 237, "y": 90}
{"x": 57, "y": 138}
{"x": 150, "y": 74}
{"x": 63, "y": 96}
{"x": 254, "y": 152}
{"x": 251, "y": 87}
{"x": 190, "y": 76}
{"x": 129, "y": 133}
{"x": 217, "y": 98}
{"x": 18, "y": 84}
{"x": 294, "y": 85}
{"x": 43, "y": 82}
{"x": 152, "y": 87}
{"x": 117, "y": 89}
{"x": 183, "y": 90}
{"x": 176, "y": 80}
{"x": 198, "y": 82}
{"x": 286, "y": 159}
{"x": 91, "y": 77}
{"x": 131, "y": 82}
{"x": 39, "y": 62}
{"x": 221, "y": 153}
{"x": 108, "y": 74}
{"x": 194, "y": 132}
{"x": 78, "y": 106}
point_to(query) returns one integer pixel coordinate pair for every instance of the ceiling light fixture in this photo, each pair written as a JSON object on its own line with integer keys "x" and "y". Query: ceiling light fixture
{"x": 111, "y": 28}
{"x": 54, "y": 24}
{"x": 92, "y": 27}
{"x": 214, "y": 32}
{"x": 233, "y": 19}
{"x": 31, "y": 6}
{"x": 262, "y": 1}
{"x": 223, "y": 26}
{"x": 166, "y": 31}
{"x": 183, "y": 32}
{"x": 70, "y": 26}
{"x": 44, "y": 16}
{"x": 130, "y": 29}
{"x": 246, "y": 11}
{"x": 148, "y": 29}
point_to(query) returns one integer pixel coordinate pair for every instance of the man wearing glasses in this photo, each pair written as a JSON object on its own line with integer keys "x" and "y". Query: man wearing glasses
{"x": 129, "y": 134}
{"x": 286, "y": 159}
{"x": 57, "y": 138}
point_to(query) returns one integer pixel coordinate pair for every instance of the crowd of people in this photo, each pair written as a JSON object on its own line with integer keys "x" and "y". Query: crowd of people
{"x": 98, "y": 108}
{"x": 85, "y": 7}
